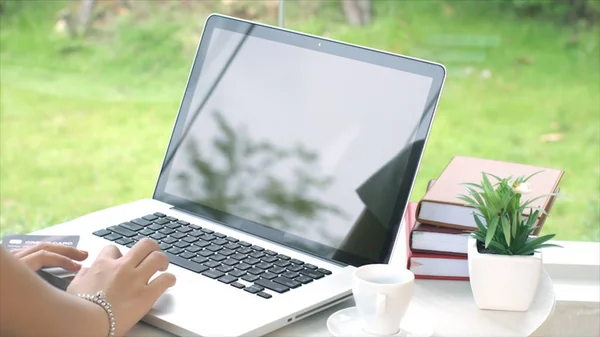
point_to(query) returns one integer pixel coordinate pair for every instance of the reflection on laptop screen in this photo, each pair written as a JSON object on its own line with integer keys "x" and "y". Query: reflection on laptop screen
{"x": 294, "y": 138}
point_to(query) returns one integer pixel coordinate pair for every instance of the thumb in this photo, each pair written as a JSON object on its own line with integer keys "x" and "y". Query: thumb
{"x": 159, "y": 285}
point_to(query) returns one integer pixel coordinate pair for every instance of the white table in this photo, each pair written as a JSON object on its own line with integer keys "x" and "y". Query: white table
{"x": 446, "y": 306}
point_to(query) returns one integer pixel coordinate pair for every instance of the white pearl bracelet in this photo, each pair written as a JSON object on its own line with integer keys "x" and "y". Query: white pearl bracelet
{"x": 100, "y": 299}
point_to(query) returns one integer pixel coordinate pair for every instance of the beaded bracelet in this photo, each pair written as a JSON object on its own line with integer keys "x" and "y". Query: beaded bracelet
{"x": 100, "y": 299}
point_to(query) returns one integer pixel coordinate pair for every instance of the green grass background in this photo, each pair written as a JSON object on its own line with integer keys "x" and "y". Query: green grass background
{"x": 84, "y": 124}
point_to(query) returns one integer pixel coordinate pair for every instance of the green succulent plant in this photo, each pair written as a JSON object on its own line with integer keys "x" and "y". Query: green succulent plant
{"x": 501, "y": 227}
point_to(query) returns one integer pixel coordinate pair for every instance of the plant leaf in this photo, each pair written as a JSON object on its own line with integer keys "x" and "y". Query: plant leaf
{"x": 506, "y": 229}
{"x": 479, "y": 223}
{"x": 531, "y": 175}
{"x": 491, "y": 231}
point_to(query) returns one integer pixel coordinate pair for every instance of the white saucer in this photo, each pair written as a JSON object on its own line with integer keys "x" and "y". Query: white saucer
{"x": 347, "y": 323}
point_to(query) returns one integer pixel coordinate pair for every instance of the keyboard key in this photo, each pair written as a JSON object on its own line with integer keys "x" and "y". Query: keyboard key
{"x": 122, "y": 230}
{"x": 243, "y": 266}
{"x": 220, "y": 236}
{"x": 124, "y": 241}
{"x": 155, "y": 227}
{"x": 324, "y": 271}
{"x": 183, "y": 222}
{"x": 166, "y": 231}
{"x": 159, "y": 214}
{"x": 175, "y": 251}
{"x": 294, "y": 267}
{"x": 270, "y": 252}
{"x": 296, "y": 261}
{"x": 181, "y": 244}
{"x": 169, "y": 240}
{"x": 173, "y": 225}
{"x": 164, "y": 246}
{"x": 290, "y": 274}
{"x": 219, "y": 242}
{"x": 257, "y": 255}
{"x": 138, "y": 237}
{"x": 213, "y": 273}
{"x": 250, "y": 278}
{"x": 171, "y": 218}
{"x": 251, "y": 260}
{"x": 283, "y": 257}
{"x": 207, "y": 231}
{"x": 281, "y": 263}
{"x": 230, "y": 262}
{"x": 269, "y": 259}
{"x": 150, "y": 217}
{"x": 226, "y": 252}
{"x": 131, "y": 226}
{"x": 264, "y": 295}
{"x": 194, "y": 227}
{"x": 264, "y": 265}
{"x": 212, "y": 264}
{"x": 193, "y": 248}
{"x": 161, "y": 222}
{"x": 178, "y": 235}
{"x": 310, "y": 266}
{"x": 187, "y": 264}
{"x": 187, "y": 255}
{"x": 232, "y": 246}
{"x": 190, "y": 239}
{"x": 277, "y": 287}
{"x": 225, "y": 269}
{"x": 255, "y": 271}
{"x": 101, "y": 232}
{"x": 214, "y": 248}
{"x": 258, "y": 248}
{"x": 217, "y": 257}
{"x": 237, "y": 285}
{"x": 202, "y": 243}
{"x": 112, "y": 236}
{"x": 202, "y": 259}
{"x": 268, "y": 276}
{"x": 207, "y": 237}
{"x": 287, "y": 282}
{"x": 244, "y": 244}
{"x": 130, "y": 245}
{"x": 238, "y": 273}
{"x": 239, "y": 256}
{"x": 141, "y": 222}
{"x": 252, "y": 289}
{"x": 146, "y": 232}
{"x": 311, "y": 273}
{"x": 185, "y": 229}
{"x": 196, "y": 233}
{"x": 303, "y": 279}
{"x": 158, "y": 236}
{"x": 244, "y": 250}
{"x": 230, "y": 239}
{"x": 277, "y": 270}
{"x": 206, "y": 253}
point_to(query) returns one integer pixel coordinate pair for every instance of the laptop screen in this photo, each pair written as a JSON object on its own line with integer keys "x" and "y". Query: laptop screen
{"x": 307, "y": 142}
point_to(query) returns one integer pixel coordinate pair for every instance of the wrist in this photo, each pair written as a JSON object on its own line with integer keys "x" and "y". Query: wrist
{"x": 98, "y": 322}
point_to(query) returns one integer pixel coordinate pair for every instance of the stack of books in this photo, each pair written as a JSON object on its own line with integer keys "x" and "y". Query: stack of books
{"x": 439, "y": 224}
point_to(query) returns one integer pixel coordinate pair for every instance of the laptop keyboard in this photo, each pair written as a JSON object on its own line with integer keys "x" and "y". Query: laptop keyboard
{"x": 217, "y": 256}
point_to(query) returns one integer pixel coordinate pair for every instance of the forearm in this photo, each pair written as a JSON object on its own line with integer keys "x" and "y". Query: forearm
{"x": 31, "y": 307}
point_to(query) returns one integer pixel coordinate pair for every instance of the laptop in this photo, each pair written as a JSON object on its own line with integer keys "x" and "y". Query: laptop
{"x": 290, "y": 164}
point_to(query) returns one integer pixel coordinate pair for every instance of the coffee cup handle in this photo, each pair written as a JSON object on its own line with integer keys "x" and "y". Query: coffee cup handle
{"x": 381, "y": 304}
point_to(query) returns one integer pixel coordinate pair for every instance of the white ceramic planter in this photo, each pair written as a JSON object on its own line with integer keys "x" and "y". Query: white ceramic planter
{"x": 502, "y": 282}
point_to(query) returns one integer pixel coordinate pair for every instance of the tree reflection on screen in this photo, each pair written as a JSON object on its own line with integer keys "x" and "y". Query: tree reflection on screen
{"x": 240, "y": 177}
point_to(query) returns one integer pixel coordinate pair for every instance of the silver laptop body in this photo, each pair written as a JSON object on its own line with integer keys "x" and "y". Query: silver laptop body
{"x": 290, "y": 164}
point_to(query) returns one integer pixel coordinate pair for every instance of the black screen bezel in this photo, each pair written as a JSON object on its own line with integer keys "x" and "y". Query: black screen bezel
{"x": 435, "y": 71}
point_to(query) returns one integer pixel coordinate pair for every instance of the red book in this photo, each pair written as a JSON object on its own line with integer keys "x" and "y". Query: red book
{"x": 433, "y": 266}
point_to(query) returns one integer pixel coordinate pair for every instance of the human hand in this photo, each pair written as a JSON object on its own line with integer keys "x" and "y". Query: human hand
{"x": 124, "y": 281}
{"x": 51, "y": 255}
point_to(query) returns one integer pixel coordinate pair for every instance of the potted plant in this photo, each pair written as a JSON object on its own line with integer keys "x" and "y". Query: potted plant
{"x": 505, "y": 261}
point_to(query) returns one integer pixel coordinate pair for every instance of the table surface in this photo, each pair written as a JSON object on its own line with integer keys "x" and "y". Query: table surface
{"x": 444, "y": 308}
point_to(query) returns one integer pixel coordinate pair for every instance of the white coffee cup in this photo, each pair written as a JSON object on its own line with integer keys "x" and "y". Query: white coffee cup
{"x": 382, "y": 294}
